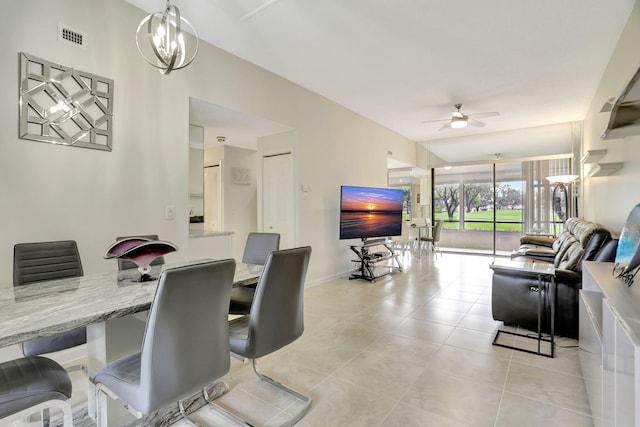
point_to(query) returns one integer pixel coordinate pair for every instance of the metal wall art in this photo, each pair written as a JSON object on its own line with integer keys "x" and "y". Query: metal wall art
{"x": 62, "y": 105}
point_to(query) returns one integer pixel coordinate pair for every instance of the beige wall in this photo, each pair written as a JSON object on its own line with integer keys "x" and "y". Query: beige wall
{"x": 240, "y": 200}
{"x": 54, "y": 192}
{"x": 608, "y": 200}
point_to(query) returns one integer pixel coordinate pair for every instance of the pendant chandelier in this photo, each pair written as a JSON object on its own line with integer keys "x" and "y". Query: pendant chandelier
{"x": 161, "y": 40}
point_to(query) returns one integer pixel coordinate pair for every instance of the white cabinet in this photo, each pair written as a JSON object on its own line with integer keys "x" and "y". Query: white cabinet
{"x": 610, "y": 320}
{"x": 608, "y": 366}
{"x": 625, "y": 379}
{"x": 590, "y": 309}
{"x": 618, "y": 370}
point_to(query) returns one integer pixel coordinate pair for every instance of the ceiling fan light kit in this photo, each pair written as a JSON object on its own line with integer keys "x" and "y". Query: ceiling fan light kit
{"x": 459, "y": 120}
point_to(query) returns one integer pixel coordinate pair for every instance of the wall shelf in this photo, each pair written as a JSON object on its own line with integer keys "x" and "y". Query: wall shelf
{"x": 605, "y": 169}
{"x": 593, "y": 156}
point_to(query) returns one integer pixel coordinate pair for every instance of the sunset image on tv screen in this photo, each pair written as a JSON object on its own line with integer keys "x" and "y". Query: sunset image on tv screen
{"x": 370, "y": 212}
{"x": 371, "y": 199}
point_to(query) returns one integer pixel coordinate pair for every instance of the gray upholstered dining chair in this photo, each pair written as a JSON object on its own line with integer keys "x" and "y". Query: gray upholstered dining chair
{"x": 256, "y": 250}
{"x": 37, "y": 262}
{"x": 177, "y": 359}
{"x": 124, "y": 264}
{"x": 32, "y": 384}
{"x": 259, "y": 246}
{"x": 276, "y": 318}
{"x": 434, "y": 238}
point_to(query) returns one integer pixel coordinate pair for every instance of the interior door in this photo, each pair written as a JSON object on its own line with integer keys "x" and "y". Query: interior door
{"x": 278, "y": 209}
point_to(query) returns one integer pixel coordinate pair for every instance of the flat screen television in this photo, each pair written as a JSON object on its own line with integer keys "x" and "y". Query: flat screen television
{"x": 367, "y": 212}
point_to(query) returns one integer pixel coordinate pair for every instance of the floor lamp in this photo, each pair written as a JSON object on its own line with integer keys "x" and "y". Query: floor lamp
{"x": 560, "y": 201}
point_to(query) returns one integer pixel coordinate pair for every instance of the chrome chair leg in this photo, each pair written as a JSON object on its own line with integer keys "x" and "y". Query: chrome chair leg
{"x": 435, "y": 249}
{"x": 222, "y": 389}
{"x": 45, "y": 417}
{"x": 29, "y": 416}
{"x": 307, "y": 400}
{"x": 102, "y": 393}
{"x": 239, "y": 421}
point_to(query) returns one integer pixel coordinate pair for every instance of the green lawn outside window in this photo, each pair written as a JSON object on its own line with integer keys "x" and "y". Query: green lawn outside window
{"x": 483, "y": 221}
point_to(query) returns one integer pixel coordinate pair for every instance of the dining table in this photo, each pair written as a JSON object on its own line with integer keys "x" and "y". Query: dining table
{"x": 112, "y": 305}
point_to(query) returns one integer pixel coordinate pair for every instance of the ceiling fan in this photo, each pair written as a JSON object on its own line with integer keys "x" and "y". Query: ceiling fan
{"x": 459, "y": 120}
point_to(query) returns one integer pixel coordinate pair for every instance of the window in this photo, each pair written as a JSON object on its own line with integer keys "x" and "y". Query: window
{"x": 487, "y": 207}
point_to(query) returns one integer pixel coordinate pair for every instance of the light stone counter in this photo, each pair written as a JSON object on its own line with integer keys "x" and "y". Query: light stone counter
{"x": 107, "y": 304}
{"x": 46, "y": 308}
{"x": 208, "y": 233}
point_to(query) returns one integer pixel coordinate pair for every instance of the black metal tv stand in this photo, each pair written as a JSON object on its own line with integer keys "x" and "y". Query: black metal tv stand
{"x": 369, "y": 267}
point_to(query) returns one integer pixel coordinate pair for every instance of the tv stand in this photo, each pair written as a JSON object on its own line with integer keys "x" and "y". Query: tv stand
{"x": 369, "y": 260}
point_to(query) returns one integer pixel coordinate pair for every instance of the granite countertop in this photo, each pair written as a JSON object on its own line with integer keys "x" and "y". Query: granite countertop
{"x": 47, "y": 308}
{"x": 206, "y": 233}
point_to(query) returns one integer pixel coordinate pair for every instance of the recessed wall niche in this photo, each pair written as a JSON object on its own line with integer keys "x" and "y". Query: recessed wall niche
{"x": 62, "y": 105}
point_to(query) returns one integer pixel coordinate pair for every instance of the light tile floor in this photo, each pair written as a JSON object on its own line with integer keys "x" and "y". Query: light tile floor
{"x": 412, "y": 349}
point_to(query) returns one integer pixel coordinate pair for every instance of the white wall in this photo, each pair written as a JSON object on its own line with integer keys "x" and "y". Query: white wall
{"x": 608, "y": 200}
{"x": 196, "y": 181}
{"x": 240, "y": 200}
{"x": 53, "y": 192}
{"x": 332, "y": 147}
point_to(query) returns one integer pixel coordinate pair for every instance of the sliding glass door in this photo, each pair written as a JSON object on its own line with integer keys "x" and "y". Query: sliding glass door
{"x": 509, "y": 206}
{"x": 463, "y": 199}
{"x": 487, "y": 207}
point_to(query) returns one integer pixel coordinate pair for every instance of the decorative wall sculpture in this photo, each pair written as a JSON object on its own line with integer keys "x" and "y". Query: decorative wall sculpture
{"x": 62, "y": 105}
{"x": 628, "y": 253}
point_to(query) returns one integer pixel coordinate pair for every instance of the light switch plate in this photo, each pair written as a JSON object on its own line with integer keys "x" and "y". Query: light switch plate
{"x": 170, "y": 212}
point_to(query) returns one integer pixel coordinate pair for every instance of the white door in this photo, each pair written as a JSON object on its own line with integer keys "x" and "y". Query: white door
{"x": 278, "y": 210}
{"x": 212, "y": 198}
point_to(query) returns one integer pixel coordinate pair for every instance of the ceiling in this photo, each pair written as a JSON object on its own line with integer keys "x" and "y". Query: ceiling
{"x": 238, "y": 129}
{"x": 403, "y": 62}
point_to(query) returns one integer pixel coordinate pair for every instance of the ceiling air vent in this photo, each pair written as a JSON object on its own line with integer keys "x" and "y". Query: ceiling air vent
{"x": 70, "y": 36}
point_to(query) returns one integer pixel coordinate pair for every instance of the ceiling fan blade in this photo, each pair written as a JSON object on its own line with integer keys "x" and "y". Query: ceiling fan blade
{"x": 474, "y": 122}
{"x": 447, "y": 126}
{"x": 482, "y": 115}
{"x": 435, "y": 121}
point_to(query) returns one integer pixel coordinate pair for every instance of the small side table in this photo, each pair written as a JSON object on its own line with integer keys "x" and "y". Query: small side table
{"x": 546, "y": 274}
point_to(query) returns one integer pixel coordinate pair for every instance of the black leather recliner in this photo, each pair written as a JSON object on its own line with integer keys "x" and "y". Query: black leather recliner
{"x": 515, "y": 294}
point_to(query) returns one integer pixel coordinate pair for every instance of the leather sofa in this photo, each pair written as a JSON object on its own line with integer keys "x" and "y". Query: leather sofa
{"x": 515, "y": 294}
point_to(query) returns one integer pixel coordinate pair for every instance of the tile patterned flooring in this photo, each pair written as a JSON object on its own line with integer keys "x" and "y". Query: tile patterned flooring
{"x": 412, "y": 349}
